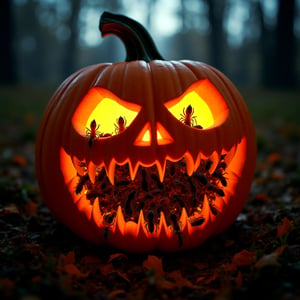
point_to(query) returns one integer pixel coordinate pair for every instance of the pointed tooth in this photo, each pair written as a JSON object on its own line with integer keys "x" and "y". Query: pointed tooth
{"x": 141, "y": 230}
{"x": 215, "y": 157}
{"x": 84, "y": 207}
{"x": 189, "y": 164}
{"x": 91, "y": 168}
{"x": 197, "y": 162}
{"x": 205, "y": 209}
{"x": 111, "y": 172}
{"x": 119, "y": 224}
{"x": 97, "y": 216}
{"x": 133, "y": 169}
{"x": 161, "y": 168}
{"x": 163, "y": 228}
{"x": 183, "y": 218}
{"x": 80, "y": 168}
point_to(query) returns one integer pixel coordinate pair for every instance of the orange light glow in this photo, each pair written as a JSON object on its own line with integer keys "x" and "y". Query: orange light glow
{"x": 144, "y": 138}
{"x": 162, "y": 135}
{"x": 105, "y": 108}
{"x": 209, "y": 107}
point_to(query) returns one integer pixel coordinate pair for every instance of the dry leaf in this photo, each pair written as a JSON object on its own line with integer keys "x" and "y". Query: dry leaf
{"x": 243, "y": 258}
{"x": 155, "y": 263}
{"x": 284, "y": 228}
{"x": 73, "y": 270}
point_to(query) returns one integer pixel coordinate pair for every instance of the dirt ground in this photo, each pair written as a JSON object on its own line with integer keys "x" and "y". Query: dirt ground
{"x": 259, "y": 255}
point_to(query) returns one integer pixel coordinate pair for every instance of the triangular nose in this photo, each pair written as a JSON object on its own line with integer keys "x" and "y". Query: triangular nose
{"x": 163, "y": 137}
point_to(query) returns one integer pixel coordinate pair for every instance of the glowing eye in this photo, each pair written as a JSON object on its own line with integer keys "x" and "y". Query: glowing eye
{"x": 192, "y": 110}
{"x": 111, "y": 114}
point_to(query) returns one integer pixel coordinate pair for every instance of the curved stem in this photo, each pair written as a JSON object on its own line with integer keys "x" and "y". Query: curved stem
{"x": 138, "y": 42}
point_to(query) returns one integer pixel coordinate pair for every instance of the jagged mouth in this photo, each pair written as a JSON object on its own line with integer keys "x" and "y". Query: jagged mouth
{"x": 120, "y": 194}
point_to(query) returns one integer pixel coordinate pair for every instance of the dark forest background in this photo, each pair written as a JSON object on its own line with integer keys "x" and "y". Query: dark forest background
{"x": 254, "y": 42}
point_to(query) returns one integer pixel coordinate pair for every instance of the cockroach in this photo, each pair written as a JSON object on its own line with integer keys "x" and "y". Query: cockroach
{"x": 192, "y": 185}
{"x": 220, "y": 175}
{"x": 150, "y": 226}
{"x": 201, "y": 177}
{"x": 144, "y": 180}
{"x": 92, "y": 195}
{"x": 155, "y": 178}
{"x": 108, "y": 220}
{"x": 128, "y": 204}
{"x": 176, "y": 228}
{"x": 82, "y": 181}
{"x": 219, "y": 191}
{"x": 213, "y": 209}
{"x": 208, "y": 164}
{"x": 197, "y": 221}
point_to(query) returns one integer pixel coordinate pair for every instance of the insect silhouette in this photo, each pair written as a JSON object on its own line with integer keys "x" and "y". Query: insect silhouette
{"x": 120, "y": 125}
{"x": 150, "y": 225}
{"x": 108, "y": 221}
{"x": 82, "y": 181}
{"x": 176, "y": 228}
{"x": 92, "y": 132}
{"x": 187, "y": 116}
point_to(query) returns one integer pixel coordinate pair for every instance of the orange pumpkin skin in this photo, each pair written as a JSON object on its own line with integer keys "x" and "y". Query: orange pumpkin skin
{"x": 150, "y": 85}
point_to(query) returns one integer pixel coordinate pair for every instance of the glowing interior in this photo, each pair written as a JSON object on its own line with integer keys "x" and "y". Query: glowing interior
{"x": 201, "y": 112}
{"x": 107, "y": 113}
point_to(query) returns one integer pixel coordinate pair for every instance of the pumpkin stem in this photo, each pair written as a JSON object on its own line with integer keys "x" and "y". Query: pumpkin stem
{"x": 138, "y": 42}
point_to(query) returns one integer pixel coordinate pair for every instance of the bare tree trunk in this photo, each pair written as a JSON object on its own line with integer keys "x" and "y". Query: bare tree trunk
{"x": 7, "y": 59}
{"x": 216, "y": 10}
{"x": 285, "y": 44}
{"x": 71, "y": 50}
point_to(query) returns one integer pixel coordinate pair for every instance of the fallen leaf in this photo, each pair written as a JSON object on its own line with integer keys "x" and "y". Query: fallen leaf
{"x": 280, "y": 249}
{"x": 66, "y": 259}
{"x": 155, "y": 263}
{"x": 268, "y": 260}
{"x": 244, "y": 258}
{"x": 180, "y": 281}
{"x": 116, "y": 256}
{"x": 284, "y": 228}
{"x": 19, "y": 160}
{"x": 88, "y": 260}
{"x": 239, "y": 279}
{"x": 73, "y": 270}
{"x": 30, "y": 208}
{"x": 116, "y": 294}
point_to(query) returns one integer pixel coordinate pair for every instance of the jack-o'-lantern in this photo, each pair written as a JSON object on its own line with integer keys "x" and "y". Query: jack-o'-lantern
{"x": 145, "y": 154}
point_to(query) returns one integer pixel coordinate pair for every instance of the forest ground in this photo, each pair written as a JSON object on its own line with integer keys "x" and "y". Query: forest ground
{"x": 258, "y": 255}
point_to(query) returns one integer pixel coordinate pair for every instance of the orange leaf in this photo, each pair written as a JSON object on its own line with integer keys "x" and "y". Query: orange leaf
{"x": 89, "y": 260}
{"x": 180, "y": 281}
{"x": 116, "y": 256}
{"x": 284, "y": 228}
{"x": 239, "y": 279}
{"x": 155, "y": 263}
{"x": 244, "y": 258}
{"x": 73, "y": 270}
{"x": 66, "y": 259}
{"x": 30, "y": 208}
{"x": 19, "y": 160}
{"x": 280, "y": 250}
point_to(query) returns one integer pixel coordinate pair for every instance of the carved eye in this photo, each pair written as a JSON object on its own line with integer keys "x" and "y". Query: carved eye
{"x": 110, "y": 113}
{"x": 198, "y": 107}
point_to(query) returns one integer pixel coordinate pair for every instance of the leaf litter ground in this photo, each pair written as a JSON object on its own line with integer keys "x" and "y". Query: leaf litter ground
{"x": 259, "y": 255}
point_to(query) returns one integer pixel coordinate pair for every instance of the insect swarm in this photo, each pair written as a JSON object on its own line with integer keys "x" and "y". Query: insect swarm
{"x": 174, "y": 160}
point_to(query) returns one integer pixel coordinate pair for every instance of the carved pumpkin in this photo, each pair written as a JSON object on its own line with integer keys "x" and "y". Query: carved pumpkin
{"x": 145, "y": 154}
